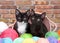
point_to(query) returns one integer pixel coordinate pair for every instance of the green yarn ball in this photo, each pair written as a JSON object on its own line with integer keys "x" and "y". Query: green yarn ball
{"x": 51, "y": 34}
{"x": 26, "y": 35}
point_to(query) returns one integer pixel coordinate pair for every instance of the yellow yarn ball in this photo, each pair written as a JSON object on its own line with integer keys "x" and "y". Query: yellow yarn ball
{"x": 29, "y": 40}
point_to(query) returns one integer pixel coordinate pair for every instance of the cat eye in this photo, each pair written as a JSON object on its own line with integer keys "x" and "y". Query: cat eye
{"x": 38, "y": 19}
{"x": 19, "y": 18}
{"x": 24, "y": 18}
{"x": 33, "y": 18}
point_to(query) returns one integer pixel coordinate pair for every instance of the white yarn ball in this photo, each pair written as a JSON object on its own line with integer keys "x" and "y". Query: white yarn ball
{"x": 3, "y": 26}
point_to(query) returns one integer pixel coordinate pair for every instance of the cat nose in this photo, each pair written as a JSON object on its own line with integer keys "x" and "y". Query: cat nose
{"x": 25, "y": 21}
{"x": 24, "y": 18}
{"x": 20, "y": 21}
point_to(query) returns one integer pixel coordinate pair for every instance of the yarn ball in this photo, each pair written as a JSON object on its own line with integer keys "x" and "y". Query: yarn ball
{"x": 51, "y": 34}
{"x": 18, "y": 40}
{"x": 52, "y": 40}
{"x": 3, "y": 26}
{"x": 11, "y": 33}
{"x": 58, "y": 41}
{"x": 1, "y": 40}
{"x": 35, "y": 38}
{"x": 26, "y": 35}
{"x": 42, "y": 40}
{"x": 7, "y": 40}
{"x": 59, "y": 38}
{"x": 29, "y": 40}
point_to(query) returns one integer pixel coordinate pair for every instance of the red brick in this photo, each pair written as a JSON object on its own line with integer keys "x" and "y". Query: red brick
{"x": 57, "y": 7}
{"x": 56, "y": 20}
{"x": 56, "y": 11}
{"x": 41, "y": 2}
{"x": 26, "y": 7}
{"x": 44, "y": 7}
{"x": 4, "y": 20}
{"x": 6, "y": 3}
{"x": 57, "y": 15}
{"x": 9, "y": 16}
{"x": 4, "y": 11}
{"x": 12, "y": 11}
{"x": 49, "y": 16}
{"x": 12, "y": 16}
{"x": 9, "y": 0}
{"x": 24, "y": 2}
{"x": 39, "y": 10}
{"x": 11, "y": 21}
{"x": 48, "y": 11}
{"x": 55, "y": 2}
{"x": 7, "y": 7}
{"x": 58, "y": 24}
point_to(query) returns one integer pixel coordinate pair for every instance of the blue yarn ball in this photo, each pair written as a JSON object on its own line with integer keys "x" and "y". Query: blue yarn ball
{"x": 35, "y": 38}
{"x": 7, "y": 40}
{"x": 18, "y": 40}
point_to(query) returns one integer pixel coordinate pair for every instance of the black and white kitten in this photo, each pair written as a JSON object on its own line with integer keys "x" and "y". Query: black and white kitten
{"x": 37, "y": 27}
{"x": 21, "y": 26}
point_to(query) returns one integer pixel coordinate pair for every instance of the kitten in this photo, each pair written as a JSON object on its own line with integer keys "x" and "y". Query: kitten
{"x": 37, "y": 28}
{"x": 21, "y": 26}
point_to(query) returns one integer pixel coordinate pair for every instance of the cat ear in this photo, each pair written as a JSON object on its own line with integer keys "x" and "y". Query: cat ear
{"x": 17, "y": 12}
{"x": 43, "y": 15}
{"x": 30, "y": 12}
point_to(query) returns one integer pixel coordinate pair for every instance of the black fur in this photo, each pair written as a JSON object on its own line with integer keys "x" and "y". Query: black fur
{"x": 20, "y": 17}
{"x": 37, "y": 28}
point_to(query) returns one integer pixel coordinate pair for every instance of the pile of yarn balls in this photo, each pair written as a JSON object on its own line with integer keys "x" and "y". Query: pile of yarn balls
{"x": 9, "y": 35}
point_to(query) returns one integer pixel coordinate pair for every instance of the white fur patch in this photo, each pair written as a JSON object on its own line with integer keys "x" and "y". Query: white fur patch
{"x": 3, "y": 27}
{"x": 21, "y": 27}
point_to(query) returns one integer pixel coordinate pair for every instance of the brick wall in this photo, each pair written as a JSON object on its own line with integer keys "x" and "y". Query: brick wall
{"x": 51, "y": 7}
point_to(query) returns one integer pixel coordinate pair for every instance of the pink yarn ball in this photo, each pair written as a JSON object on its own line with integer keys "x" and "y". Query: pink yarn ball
{"x": 42, "y": 40}
{"x": 11, "y": 33}
{"x": 58, "y": 41}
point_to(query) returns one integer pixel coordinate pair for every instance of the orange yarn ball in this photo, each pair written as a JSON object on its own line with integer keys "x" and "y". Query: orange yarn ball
{"x": 58, "y": 32}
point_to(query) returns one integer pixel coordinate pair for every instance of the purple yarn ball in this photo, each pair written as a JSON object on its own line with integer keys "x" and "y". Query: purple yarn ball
{"x": 1, "y": 41}
{"x": 52, "y": 40}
